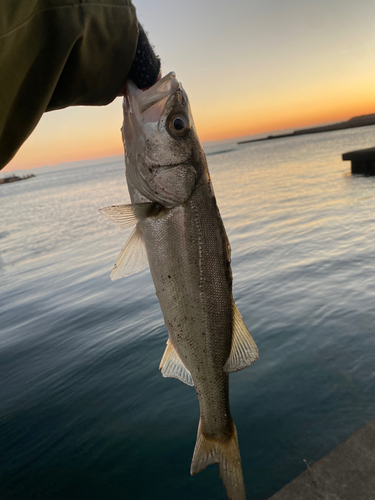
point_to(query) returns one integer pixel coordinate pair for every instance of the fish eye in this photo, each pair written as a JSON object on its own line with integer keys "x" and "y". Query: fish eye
{"x": 178, "y": 125}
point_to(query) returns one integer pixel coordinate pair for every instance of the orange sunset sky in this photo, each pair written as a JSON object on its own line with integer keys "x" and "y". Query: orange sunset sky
{"x": 248, "y": 66}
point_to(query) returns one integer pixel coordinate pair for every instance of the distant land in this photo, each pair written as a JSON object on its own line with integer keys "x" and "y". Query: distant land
{"x": 357, "y": 121}
{"x": 15, "y": 178}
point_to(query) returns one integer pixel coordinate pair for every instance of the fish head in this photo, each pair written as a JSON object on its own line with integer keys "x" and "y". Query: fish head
{"x": 162, "y": 148}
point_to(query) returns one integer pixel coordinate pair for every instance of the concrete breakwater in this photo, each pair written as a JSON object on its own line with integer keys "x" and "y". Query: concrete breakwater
{"x": 346, "y": 473}
{"x": 363, "y": 161}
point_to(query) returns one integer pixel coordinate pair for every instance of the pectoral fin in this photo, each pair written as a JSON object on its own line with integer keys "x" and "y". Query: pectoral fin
{"x": 244, "y": 350}
{"x": 132, "y": 258}
{"x": 172, "y": 366}
{"x": 128, "y": 215}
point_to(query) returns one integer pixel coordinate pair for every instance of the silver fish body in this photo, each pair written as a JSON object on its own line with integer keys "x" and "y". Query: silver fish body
{"x": 175, "y": 209}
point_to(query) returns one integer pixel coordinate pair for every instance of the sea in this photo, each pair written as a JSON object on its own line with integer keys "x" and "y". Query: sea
{"x": 85, "y": 413}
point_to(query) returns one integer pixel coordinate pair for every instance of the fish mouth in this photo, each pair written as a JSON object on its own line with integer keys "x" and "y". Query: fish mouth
{"x": 145, "y": 107}
{"x": 147, "y": 98}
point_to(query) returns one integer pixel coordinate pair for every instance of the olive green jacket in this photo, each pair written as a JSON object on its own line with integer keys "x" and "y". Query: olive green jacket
{"x": 59, "y": 53}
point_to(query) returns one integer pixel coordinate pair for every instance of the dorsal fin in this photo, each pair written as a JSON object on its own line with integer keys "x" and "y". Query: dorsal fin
{"x": 244, "y": 350}
{"x": 172, "y": 366}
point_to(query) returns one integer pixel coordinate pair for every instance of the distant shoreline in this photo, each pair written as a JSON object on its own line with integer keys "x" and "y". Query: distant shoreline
{"x": 357, "y": 121}
{"x": 15, "y": 178}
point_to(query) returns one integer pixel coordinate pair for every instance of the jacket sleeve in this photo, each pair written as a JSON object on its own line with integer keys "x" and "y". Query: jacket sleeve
{"x": 59, "y": 53}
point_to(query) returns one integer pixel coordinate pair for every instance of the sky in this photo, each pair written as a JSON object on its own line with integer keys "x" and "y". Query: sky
{"x": 248, "y": 66}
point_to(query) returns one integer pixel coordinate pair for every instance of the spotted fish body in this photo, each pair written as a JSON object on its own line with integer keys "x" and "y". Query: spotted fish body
{"x": 180, "y": 233}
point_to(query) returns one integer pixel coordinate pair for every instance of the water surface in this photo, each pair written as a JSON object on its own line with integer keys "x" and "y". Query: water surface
{"x": 84, "y": 410}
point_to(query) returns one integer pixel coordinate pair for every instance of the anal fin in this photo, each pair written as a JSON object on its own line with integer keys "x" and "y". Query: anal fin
{"x": 172, "y": 366}
{"x": 244, "y": 350}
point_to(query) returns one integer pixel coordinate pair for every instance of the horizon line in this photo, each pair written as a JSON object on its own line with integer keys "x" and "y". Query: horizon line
{"x": 236, "y": 139}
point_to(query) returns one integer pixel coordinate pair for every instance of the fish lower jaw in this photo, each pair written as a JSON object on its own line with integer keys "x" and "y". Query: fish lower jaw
{"x": 155, "y": 168}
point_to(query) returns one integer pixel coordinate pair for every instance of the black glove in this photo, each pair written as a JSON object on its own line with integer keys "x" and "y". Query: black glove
{"x": 146, "y": 65}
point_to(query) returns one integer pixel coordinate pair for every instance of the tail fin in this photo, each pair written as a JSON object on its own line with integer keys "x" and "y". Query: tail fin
{"x": 227, "y": 455}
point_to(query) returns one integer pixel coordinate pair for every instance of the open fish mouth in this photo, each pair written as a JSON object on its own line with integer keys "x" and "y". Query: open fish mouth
{"x": 144, "y": 107}
{"x": 163, "y": 88}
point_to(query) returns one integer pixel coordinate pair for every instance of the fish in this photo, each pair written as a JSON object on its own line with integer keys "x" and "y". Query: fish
{"x": 179, "y": 233}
